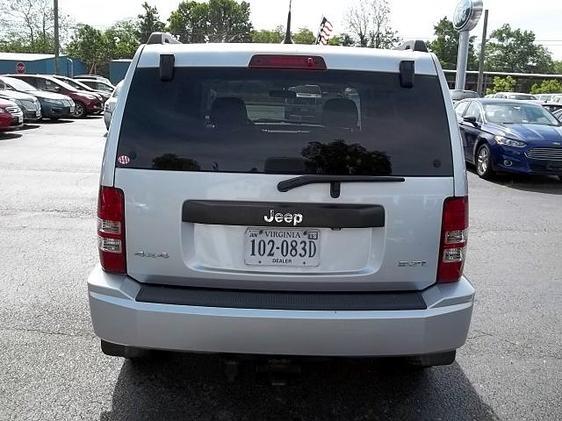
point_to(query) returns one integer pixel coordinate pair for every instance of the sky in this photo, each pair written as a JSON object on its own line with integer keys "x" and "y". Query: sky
{"x": 413, "y": 19}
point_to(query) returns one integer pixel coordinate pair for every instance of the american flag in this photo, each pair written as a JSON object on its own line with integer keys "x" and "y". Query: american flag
{"x": 325, "y": 32}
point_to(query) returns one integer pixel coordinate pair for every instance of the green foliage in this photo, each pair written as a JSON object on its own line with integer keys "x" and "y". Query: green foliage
{"x": 97, "y": 48}
{"x": 304, "y": 36}
{"x": 446, "y": 45}
{"x": 342, "y": 39}
{"x": 502, "y": 84}
{"x": 89, "y": 45}
{"x": 384, "y": 38}
{"x": 557, "y": 67}
{"x": 215, "y": 21}
{"x": 148, "y": 22}
{"x": 27, "y": 26}
{"x": 514, "y": 50}
{"x": 265, "y": 36}
{"x": 122, "y": 39}
{"x": 547, "y": 87}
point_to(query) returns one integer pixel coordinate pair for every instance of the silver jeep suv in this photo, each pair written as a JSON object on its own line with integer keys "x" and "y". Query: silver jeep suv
{"x": 224, "y": 226}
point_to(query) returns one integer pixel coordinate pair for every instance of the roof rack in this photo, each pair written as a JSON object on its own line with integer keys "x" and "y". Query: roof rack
{"x": 162, "y": 38}
{"x": 414, "y": 45}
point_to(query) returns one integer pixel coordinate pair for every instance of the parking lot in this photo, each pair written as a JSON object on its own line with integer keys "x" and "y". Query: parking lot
{"x": 51, "y": 366}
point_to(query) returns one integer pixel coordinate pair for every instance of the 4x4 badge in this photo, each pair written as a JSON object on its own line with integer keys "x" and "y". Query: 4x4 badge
{"x": 142, "y": 253}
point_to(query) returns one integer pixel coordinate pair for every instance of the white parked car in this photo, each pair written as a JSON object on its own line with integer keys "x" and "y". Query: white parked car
{"x": 110, "y": 104}
{"x": 224, "y": 227}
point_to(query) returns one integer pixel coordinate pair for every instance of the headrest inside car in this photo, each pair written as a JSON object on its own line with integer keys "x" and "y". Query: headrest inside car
{"x": 229, "y": 112}
{"x": 340, "y": 112}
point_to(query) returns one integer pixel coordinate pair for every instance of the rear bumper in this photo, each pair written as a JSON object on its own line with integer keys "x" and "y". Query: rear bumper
{"x": 117, "y": 317}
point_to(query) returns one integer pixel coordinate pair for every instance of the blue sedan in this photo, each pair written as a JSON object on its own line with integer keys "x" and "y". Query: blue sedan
{"x": 510, "y": 136}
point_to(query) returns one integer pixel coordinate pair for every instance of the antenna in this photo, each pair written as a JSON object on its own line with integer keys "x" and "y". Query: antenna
{"x": 288, "y": 39}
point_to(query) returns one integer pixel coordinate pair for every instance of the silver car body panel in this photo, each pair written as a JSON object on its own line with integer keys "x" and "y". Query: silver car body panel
{"x": 118, "y": 318}
{"x": 201, "y": 255}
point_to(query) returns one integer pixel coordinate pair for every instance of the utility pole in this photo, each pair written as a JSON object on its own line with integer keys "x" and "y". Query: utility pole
{"x": 57, "y": 45}
{"x": 480, "y": 84}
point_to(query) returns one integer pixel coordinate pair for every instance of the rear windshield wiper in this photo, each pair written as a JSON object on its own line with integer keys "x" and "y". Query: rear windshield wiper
{"x": 335, "y": 181}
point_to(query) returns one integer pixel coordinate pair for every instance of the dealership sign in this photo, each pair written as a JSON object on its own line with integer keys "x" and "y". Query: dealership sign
{"x": 20, "y": 67}
{"x": 467, "y": 14}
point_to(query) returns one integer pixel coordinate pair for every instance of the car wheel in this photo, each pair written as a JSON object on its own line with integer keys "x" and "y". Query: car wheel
{"x": 484, "y": 162}
{"x": 79, "y": 110}
{"x": 128, "y": 352}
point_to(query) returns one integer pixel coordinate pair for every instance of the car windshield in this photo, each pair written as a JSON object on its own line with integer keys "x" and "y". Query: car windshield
{"x": 518, "y": 114}
{"x": 521, "y": 96}
{"x": 18, "y": 85}
{"x": 76, "y": 84}
{"x": 255, "y": 121}
{"x": 458, "y": 95}
{"x": 104, "y": 87}
{"x": 64, "y": 84}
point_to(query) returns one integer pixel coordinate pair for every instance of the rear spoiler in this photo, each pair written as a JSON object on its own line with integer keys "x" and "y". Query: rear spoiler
{"x": 414, "y": 45}
{"x": 162, "y": 38}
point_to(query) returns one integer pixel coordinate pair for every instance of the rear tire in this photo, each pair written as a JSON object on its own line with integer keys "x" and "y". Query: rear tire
{"x": 431, "y": 360}
{"x": 128, "y": 352}
{"x": 484, "y": 162}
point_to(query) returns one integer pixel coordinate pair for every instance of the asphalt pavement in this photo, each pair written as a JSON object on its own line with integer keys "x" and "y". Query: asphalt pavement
{"x": 51, "y": 367}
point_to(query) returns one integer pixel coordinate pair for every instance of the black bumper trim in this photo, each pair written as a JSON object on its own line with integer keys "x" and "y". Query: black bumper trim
{"x": 281, "y": 300}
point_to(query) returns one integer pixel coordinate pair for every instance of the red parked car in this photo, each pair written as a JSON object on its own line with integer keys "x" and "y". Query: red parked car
{"x": 85, "y": 102}
{"x": 11, "y": 116}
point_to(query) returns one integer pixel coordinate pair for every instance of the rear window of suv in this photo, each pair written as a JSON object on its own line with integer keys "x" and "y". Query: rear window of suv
{"x": 286, "y": 122}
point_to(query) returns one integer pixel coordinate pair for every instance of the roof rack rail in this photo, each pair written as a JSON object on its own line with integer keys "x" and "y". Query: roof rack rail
{"x": 414, "y": 45}
{"x": 162, "y": 38}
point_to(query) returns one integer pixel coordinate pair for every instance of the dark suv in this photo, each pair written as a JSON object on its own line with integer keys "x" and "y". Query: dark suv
{"x": 85, "y": 102}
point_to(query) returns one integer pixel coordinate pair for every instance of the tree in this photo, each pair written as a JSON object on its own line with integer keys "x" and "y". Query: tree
{"x": 149, "y": 22}
{"x": 229, "y": 21}
{"x": 513, "y": 50}
{"x": 89, "y": 45}
{"x": 215, "y": 21}
{"x": 446, "y": 45}
{"x": 547, "y": 87}
{"x": 189, "y": 22}
{"x": 28, "y": 26}
{"x": 122, "y": 39}
{"x": 557, "y": 67}
{"x": 502, "y": 84}
{"x": 265, "y": 36}
{"x": 304, "y": 36}
{"x": 342, "y": 39}
{"x": 369, "y": 22}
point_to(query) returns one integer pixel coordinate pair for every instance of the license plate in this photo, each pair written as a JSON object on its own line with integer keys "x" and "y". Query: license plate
{"x": 282, "y": 247}
{"x": 71, "y": 109}
{"x": 20, "y": 120}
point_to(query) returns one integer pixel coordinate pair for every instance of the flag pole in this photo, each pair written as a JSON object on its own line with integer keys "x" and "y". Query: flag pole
{"x": 288, "y": 39}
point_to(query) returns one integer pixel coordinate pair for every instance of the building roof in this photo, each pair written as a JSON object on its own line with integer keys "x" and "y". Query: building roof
{"x": 26, "y": 56}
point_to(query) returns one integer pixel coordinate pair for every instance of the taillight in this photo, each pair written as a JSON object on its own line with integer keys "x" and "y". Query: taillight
{"x": 282, "y": 61}
{"x": 454, "y": 232}
{"x": 111, "y": 229}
